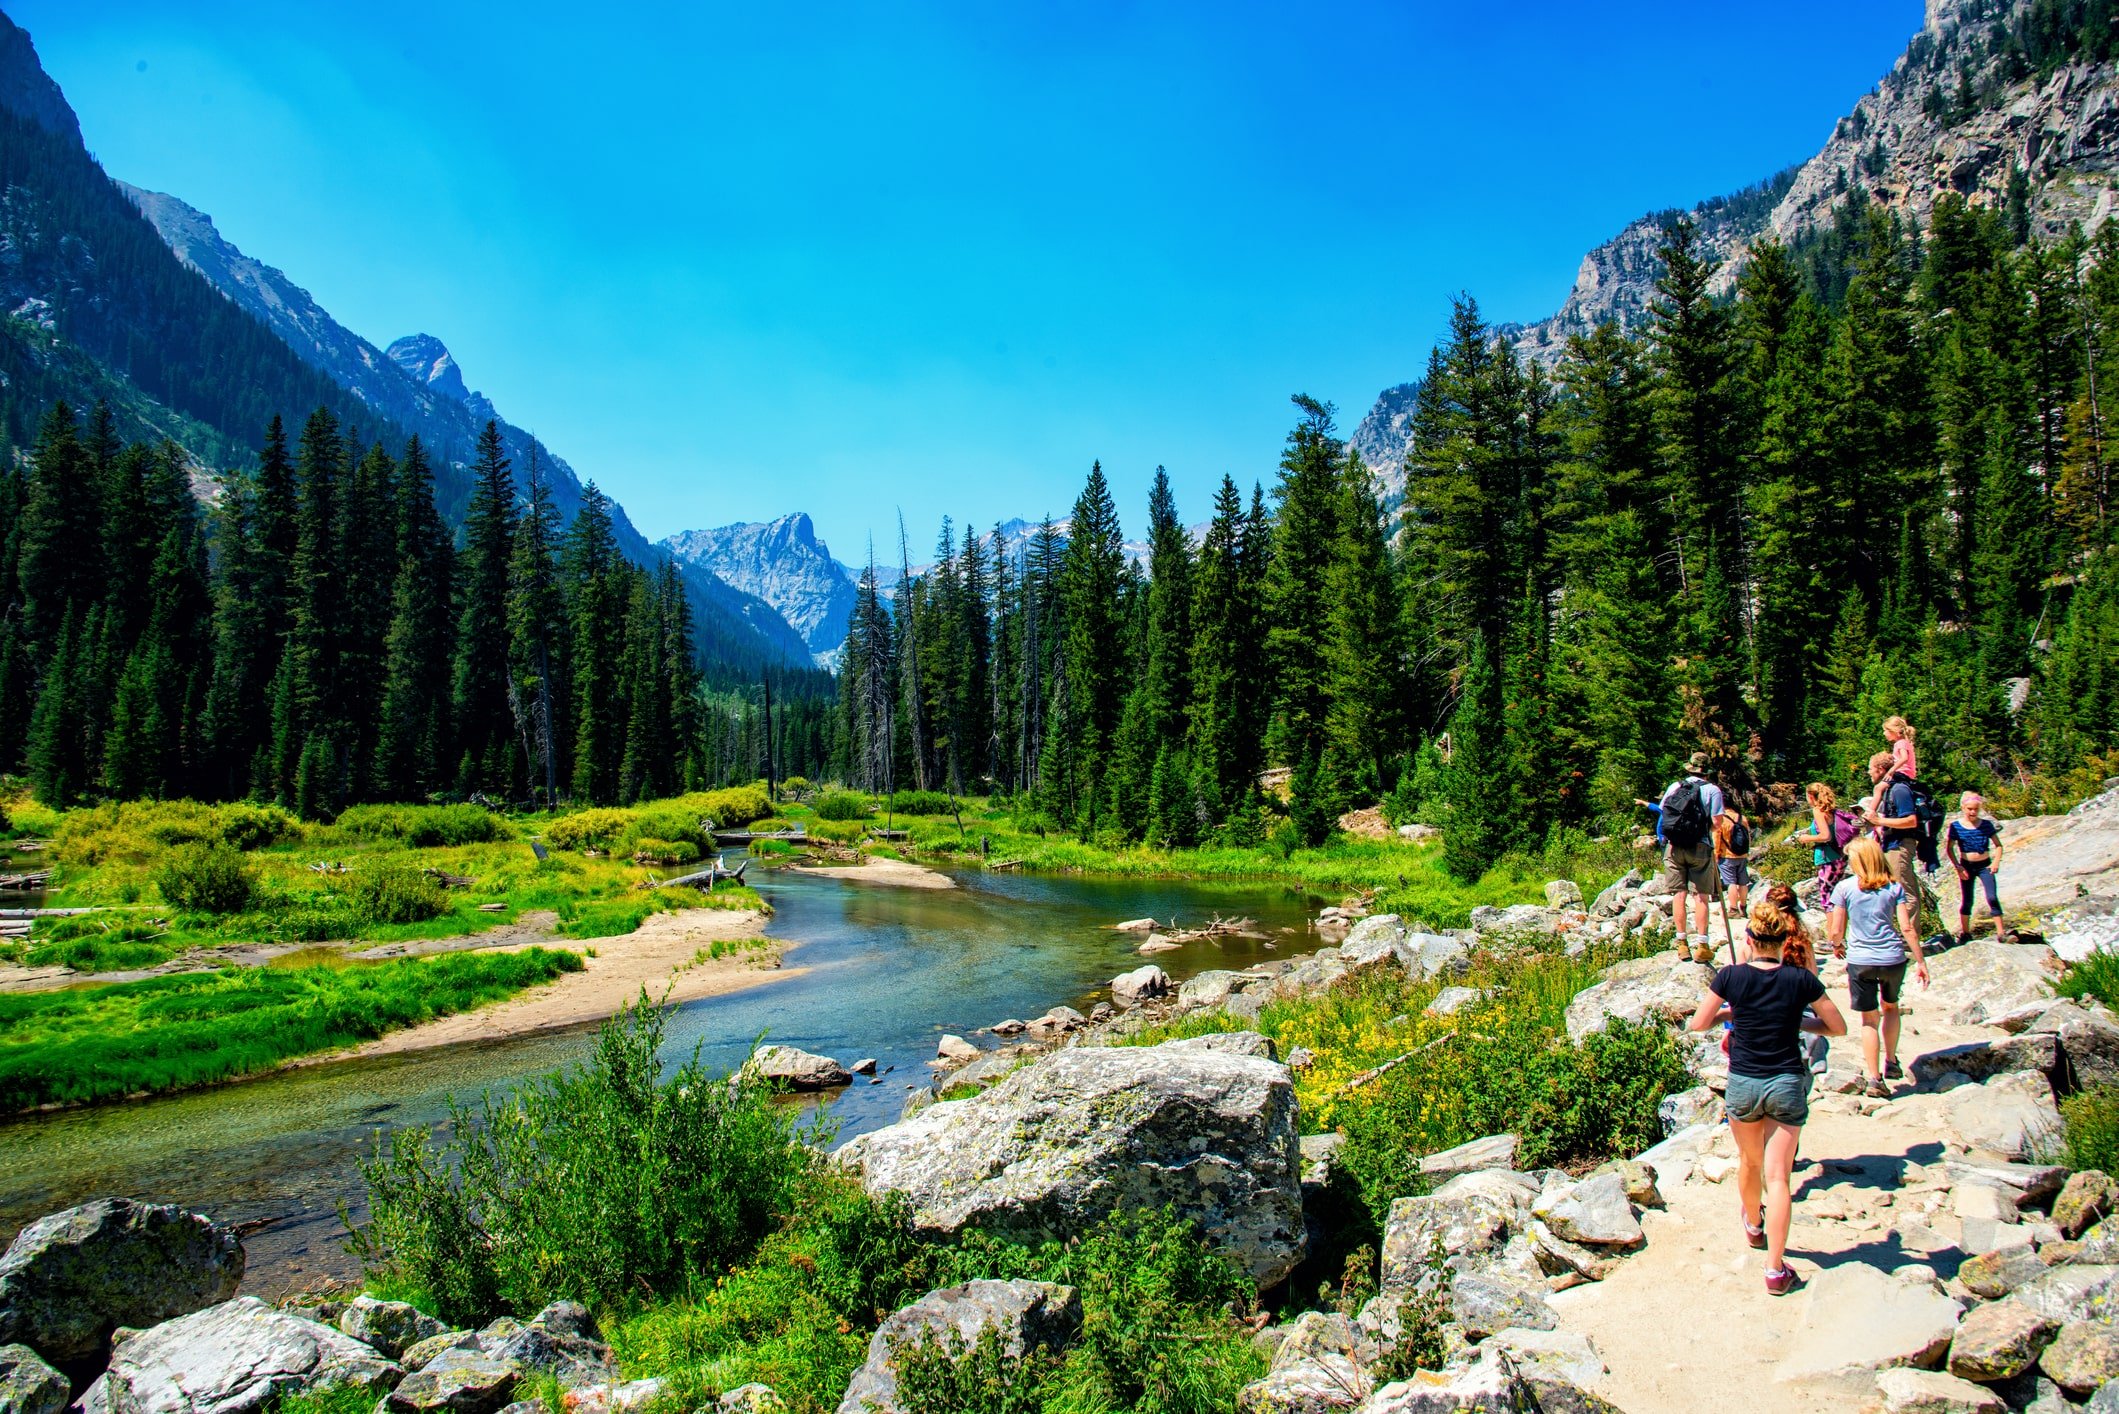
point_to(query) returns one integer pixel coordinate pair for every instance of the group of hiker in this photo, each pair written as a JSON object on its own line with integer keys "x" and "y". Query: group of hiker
{"x": 1869, "y": 862}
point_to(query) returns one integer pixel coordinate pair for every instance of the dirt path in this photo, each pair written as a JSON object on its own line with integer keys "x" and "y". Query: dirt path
{"x": 1686, "y": 1323}
{"x": 662, "y": 957}
{"x": 880, "y": 869}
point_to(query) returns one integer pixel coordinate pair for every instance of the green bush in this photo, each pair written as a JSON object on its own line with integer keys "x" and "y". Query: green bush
{"x": 2095, "y": 976}
{"x": 247, "y": 826}
{"x": 2092, "y": 1122}
{"x": 423, "y": 826}
{"x": 666, "y": 852}
{"x": 589, "y": 829}
{"x": 94, "y": 944}
{"x": 940, "y": 1373}
{"x": 842, "y": 805}
{"x": 922, "y": 802}
{"x": 595, "y": 1184}
{"x": 388, "y": 890}
{"x": 207, "y": 878}
{"x": 730, "y": 806}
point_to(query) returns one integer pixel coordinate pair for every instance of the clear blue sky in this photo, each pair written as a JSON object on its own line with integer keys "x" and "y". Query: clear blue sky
{"x": 737, "y": 260}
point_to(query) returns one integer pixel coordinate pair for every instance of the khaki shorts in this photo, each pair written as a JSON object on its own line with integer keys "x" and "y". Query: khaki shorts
{"x": 1689, "y": 866}
{"x": 1905, "y": 868}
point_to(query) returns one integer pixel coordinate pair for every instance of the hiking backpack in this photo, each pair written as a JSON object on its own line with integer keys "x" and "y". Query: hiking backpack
{"x": 1685, "y": 819}
{"x": 1845, "y": 826}
{"x": 1928, "y": 817}
{"x": 1739, "y": 840}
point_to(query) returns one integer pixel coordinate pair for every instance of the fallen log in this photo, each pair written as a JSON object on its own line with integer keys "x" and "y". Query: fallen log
{"x": 1375, "y": 1073}
{"x": 447, "y": 880}
{"x": 24, "y": 883}
{"x": 701, "y": 878}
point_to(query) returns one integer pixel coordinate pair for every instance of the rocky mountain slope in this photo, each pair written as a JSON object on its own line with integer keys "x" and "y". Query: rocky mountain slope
{"x": 188, "y": 337}
{"x": 1981, "y": 104}
{"x": 781, "y": 562}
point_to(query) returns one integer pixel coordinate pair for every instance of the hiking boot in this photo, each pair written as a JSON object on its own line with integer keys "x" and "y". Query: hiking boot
{"x": 1702, "y": 953}
{"x": 1878, "y": 1090}
{"x": 1963, "y": 938}
{"x": 1782, "y": 1282}
{"x": 1892, "y": 1070}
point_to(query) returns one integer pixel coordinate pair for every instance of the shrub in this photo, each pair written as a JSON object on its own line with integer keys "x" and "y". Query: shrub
{"x": 2092, "y": 1120}
{"x": 666, "y": 851}
{"x": 247, "y": 826}
{"x": 729, "y": 807}
{"x": 842, "y": 805}
{"x": 2095, "y": 976}
{"x": 423, "y": 826}
{"x": 922, "y": 802}
{"x": 207, "y": 878}
{"x": 940, "y": 1373}
{"x": 589, "y": 829}
{"x": 393, "y": 891}
{"x": 92, "y": 944}
{"x": 593, "y": 1184}
{"x": 666, "y": 820}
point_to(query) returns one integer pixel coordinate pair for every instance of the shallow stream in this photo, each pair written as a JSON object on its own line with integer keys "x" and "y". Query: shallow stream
{"x": 888, "y": 970}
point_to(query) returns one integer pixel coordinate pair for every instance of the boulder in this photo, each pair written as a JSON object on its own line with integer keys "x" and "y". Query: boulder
{"x": 28, "y": 1385}
{"x": 2079, "y": 1291}
{"x": 1377, "y": 939}
{"x": 1993, "y": 1275}
{"x": 1568, "y": 1354}
{"x": 1486, "y": 1302}
{"x": 1558, "y": 1257}
{"x": 1613, "y": 901}
{"x": 2083, "y": 1357}
{"x": 1637, "y": 1180}
{"x": 1311, "y": 974}
{"x": 1025, "y": 1314}
{"x": 1999, "y": 1340}
{"x": 628, "y": 1398}
{"x": 2029, "y": 1182}
{"x": 2085, "y": 1199}
{"x": 1228, "y": 1043}
{"x": 1900, "y": 1323}
{"x": 560, "y": 1341}
{"x": 751, "y": 1399}
{"x": 866, "y": 1065}
{"x": 1977, "y": 1060}
{"x": 1130, "y": 989}
{"x": 1209, "y": 989}
{"x": 1495, "y": 1151}
{"x": 1319, "y": 1386}
{"x": 1983, "y": 981}
{"x": 1060, "y": 1018}
{"x": 1451, "y": 1000}
{"x": 1517, "y": 921}
{"x": 797, "y": 1069}
{"x": 1082, "y": 1132}
{"x": 1594, "y": 1213}
{"x": 1491, "y": 1384}
{"x": 2100, "y": 1244}
{"x": 238, "y": 1357}
{"x": 457, "y": 1381}
{"x": 390, "y": 1326}
{"x": 1463, "y": 1227}
{"x": 2088, "y": 1036}
{"x": 1563, "y": 893}
{"x": 2010, "y": 1117}
{"x": 1646, "y": 989}
{"x": 1905, "y": 1391}
{"x": 1320, "y": 1158}
{"x": 1312, "y": 1335}
{"x": 956, "y": 1050}
{"x": 1699, "y": 1105}
{"x": 421, "y": 1353}
{"x": 68, "y": 1280}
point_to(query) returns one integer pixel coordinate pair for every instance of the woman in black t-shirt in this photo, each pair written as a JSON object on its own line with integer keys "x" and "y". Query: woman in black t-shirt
{"x": 1769, "y": 1077}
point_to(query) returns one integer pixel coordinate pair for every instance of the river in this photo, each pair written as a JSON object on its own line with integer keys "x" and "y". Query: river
{"x": 886, "y": 971}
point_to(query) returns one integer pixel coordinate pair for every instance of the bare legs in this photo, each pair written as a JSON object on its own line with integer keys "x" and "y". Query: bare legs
{"x": 1677, "y": 918}
{"x": 1879, "y": 1026}
{"x": 1765, "y": 1163}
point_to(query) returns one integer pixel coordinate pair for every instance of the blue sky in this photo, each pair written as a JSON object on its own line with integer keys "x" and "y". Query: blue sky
{"x": 734, "y": 261}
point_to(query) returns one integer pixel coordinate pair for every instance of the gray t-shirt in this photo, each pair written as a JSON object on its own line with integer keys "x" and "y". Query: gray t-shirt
{"x": 1873, "y": 939}
{"x": 1710, "y": 795}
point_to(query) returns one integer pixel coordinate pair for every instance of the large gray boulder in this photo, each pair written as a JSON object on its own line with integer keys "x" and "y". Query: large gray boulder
{"x": 1982, "y": 981}
{"x": 1025, "y": 1314}
{"x": 1068, "y": 1139}
{"x": 1130, "y": 989}
{"x": 1524, "y": 921}
{"x": 1857, "y": 1320}
{"x": 2010, "y": 1117}
{"x": 2088, "y": 1035}
{"x": 561, "y": 1341}
{"x": 393, "y": 1327}
{"x": 28, "y": 1385}
{"x": 1643, "y": 990}
{"x": 1980, "y": 1060}
{"x": 1379, "y": 938}
{"x": 68, "y": 1280}
{"x": 1322, "y": 1384}
{"x": 238, "y": 1357}
{"x": 1595, "y": 1213}
{"x": 458, "y": 1381}
{"x": 796, "y": 1069}
{"x": 1495, "y": 1151}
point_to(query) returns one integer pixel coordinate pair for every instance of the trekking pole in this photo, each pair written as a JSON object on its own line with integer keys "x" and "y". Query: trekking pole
{"x": 1720, "y": 898}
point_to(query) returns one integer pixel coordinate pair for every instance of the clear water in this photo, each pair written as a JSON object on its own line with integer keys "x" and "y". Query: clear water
{"x": 888, "y": 970}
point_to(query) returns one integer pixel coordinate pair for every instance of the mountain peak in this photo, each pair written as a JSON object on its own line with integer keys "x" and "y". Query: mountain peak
{"x": 431, "y": 365}
{"x": 26, "y": 90}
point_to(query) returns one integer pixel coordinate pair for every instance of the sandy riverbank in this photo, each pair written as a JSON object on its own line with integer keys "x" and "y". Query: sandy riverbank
{"x": 659, "y": 957}
{"x": 880, "y": 869}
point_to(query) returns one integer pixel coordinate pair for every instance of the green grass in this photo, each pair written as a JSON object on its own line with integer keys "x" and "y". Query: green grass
{"x": 2092, "y": 1123}
{"x": 2095, "y": 976}
{"x": 164, "y": 1033}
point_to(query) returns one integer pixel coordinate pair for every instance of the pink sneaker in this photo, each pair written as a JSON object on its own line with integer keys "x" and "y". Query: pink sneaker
{"x": 1782, "y": 1282}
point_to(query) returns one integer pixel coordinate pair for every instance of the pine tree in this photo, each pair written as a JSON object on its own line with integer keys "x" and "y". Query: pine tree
{"x": 412, "y": 742}
{"x": 485, "y": 723}
{"x": 535, "y": 618}
{"x": 595, "y": 584}
{"x": 1364, "y": 680}
{"x": 1297, "y": 609}
{"x": 1091, "y": 570}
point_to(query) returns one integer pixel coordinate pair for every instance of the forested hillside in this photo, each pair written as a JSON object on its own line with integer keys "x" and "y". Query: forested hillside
{"x": 1756, "y": 528}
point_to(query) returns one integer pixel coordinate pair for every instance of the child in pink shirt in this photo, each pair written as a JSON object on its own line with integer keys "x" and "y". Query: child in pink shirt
{"x": 1899, "y": 732}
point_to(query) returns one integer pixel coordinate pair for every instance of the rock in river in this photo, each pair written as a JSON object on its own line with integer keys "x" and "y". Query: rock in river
{"x": 70, "y": 1279}
{"x": 797, "y": 1070}
{"x": 1062, "y": 1142}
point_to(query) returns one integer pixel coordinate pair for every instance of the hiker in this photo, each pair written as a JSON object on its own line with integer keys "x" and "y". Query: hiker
{"x": 1899, "y": 732}
{"x": 1768, "y": 1098}
{"x": 1656, "y": 810}
{"x": 1895, "y": 814}
{"x": 1690, "y": 805}
{"x": 1800, "y": 950}
{"x": 1871, "y": 925}
{"x": 1975, "y": 853}
{"x": 1732, "y": 859}
{"x": 1831, "y": 830}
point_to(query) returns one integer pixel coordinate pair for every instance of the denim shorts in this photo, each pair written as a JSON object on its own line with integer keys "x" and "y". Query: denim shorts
{"x": 1778, "y": 1097}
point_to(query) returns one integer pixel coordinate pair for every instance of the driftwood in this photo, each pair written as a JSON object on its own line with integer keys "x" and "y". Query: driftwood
{"x": 22, "y": 883}
{"x": 1375, "y": 1073}
{"x": 753, "y": 836}
{"x": 25, "y": 846}
{"x": 447, "y": 880}
{"x": 702, "y": 878}
{"x": 327, "y": 866}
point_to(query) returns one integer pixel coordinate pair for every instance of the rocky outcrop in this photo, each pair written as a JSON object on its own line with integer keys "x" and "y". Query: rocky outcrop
{"x": 239, "y": 1357}
{"x": 28, "y": 1385}
{"x": 1024, "y": 1314}
{"x": 1902, "y": 1324}
{"x": 392, "y": 1327}
{"x": 68, "y": 1280}
{"x": 1648, "y": 989}
{"x": 782, "y": 562}
{"x": 1071, "y": 1137}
